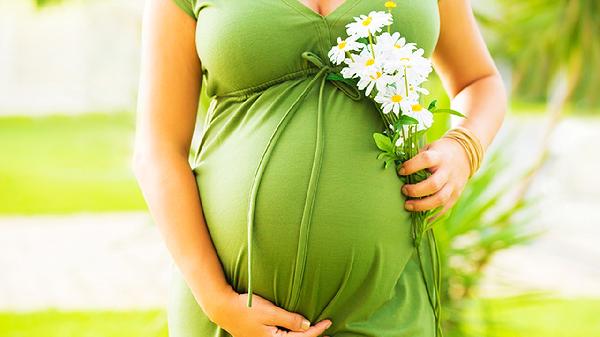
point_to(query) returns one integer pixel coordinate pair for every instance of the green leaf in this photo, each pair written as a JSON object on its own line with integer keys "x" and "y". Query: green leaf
{"x": 339, "y": 77}
{"x": 363, "y": 40}
{"x": 404, "y": 120}
{"x": 383, "y": 142}
{"x": 431, "y": 106}
{"x": 449, "y": 111}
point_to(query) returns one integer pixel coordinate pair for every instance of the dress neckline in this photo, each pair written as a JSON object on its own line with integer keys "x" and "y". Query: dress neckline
{"x": 331, "y": 14}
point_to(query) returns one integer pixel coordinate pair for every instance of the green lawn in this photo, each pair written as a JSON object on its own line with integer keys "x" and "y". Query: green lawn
{"x": 62, "y": 164}
{"x": 84, "y": 324}
{"x": 542, "y": 318}
{"x": 535, "y": 317}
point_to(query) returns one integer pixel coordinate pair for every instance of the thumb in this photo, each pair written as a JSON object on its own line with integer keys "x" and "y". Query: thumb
{"x": 286, "y": 319}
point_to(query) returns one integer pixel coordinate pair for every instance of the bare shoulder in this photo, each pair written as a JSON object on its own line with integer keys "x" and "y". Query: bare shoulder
{"x": 170, "y": 77}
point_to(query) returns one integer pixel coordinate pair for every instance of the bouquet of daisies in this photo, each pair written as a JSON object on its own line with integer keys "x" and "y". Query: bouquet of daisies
{"x": 391, "y": 71}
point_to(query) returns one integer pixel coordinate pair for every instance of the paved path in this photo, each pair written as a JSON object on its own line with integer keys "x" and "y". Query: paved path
{"x": 118, "y": 261}
{"x": 567, "y": 258}
{"x": 82, "y": 261}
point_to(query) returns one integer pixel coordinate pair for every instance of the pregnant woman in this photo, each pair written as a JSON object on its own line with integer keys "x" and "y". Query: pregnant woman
{"x": 285, "y": 178}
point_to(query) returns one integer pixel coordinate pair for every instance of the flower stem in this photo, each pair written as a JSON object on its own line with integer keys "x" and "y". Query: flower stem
{"x": 371, "y": 44}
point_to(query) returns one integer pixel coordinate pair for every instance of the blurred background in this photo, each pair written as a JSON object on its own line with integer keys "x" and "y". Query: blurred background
{"x": 80, "y": 256}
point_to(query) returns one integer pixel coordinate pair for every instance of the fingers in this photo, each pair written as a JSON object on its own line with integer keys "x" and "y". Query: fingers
{"x": 422, "y": 160}
{"x": 441, "y": 197}
{"x": 314, "y": 331}
{"x": 432, "y": 184}
{"x": 289, "y": 320}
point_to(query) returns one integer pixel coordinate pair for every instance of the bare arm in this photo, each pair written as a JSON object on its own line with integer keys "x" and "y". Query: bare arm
{"x": 166, "y": 114}
{"x": 468, "y": 72}
{"x": 167, "y": 104}
{"x": 475, "y": 87}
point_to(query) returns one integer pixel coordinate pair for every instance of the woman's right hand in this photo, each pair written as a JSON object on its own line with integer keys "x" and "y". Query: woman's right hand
{"x": 263, "y": 319}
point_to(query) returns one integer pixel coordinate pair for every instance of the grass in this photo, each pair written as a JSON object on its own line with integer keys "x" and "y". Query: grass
{"x": 54, "y": 323}
{"x": 546, "y": 318}
{"x": 516, "y": 318}
{"x": 63, "y": 164}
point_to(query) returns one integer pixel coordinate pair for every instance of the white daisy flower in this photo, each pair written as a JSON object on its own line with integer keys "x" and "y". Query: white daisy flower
{"x": 393, "y": 99}
{"x": 412, "y": 91}
{"x": 393, "y": 42}
{"x": 379, "y": 79}
{"x": 337, "y": 53}
{"x": 373, "y": 22}
{"x": 416, "y": 66}
{"x": 361, "y": 65}
{"x": 422, "y": 115}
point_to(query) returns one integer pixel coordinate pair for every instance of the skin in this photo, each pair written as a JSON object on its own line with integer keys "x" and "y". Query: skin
{"x": 170, "y": 79}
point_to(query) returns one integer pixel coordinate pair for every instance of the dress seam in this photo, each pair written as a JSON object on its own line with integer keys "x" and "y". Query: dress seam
{"x": 249, "y": 91}
{"x": 296, "y": 9}
{"x": 347, "y": 10}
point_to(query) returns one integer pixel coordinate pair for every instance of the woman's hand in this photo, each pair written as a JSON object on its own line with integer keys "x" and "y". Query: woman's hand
{"x": 263, "y": 319}
{"x": 448, "y": 162}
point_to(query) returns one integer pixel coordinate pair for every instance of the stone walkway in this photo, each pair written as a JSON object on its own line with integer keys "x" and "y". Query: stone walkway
{"x": 110, "y": 261}
{"x": 566, "y": 259}
{"x": 118, "y": 261}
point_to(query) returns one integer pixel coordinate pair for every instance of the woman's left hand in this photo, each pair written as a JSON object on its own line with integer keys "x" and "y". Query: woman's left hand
{"x": 448, "y": 162}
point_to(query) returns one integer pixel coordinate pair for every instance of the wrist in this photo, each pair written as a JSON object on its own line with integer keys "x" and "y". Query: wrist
{"x": 460, "y": 152}
{"x": 471, "y": 145}
{"x": 216, "y": 304}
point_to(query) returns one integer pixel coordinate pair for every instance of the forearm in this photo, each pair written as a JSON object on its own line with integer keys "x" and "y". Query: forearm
{"x": 171, "y": 193}
{"x": 484, "y": 104}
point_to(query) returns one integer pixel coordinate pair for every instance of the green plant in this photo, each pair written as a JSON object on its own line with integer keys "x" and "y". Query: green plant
{"x": 489, "y": 217}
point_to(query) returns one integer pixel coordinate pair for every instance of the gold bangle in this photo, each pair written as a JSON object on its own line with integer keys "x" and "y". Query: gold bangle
{"x": 470, "y": 143}
{"x": 464, "y": 143}
{"x": 475, "y": 143}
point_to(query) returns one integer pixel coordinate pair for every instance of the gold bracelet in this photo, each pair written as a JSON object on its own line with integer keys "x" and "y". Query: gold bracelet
{"x": 470, "y": 143}
{"x": 461, "y": 139}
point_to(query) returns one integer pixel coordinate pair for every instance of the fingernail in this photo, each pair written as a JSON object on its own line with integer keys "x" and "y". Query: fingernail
{"x": 328, "y": 324}
{"x": 402, "y": 170}
{"x": 409, "y": 206}
{"x": 305, "y": 324}
{"x": 404, "y": 189}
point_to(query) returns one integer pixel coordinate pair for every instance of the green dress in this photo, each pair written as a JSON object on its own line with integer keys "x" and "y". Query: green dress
{"x": 287, "y": 171}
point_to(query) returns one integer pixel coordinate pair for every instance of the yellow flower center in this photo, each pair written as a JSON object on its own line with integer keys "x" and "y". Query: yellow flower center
{"x": 367, "y": 21}
{"x": 390, "y": 4}
{"x": 377, "y": 75}
{"x": 417, "y": 107}
{"x": 342, "y": 45}
{"x": 396, "y": 98}
{"x": 370, "y": 62}
{"x": 397, "y": 45}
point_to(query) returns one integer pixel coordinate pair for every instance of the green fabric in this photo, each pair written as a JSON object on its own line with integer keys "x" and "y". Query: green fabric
{"x": 288, "y": 176}
{"x": 187, "y": 6}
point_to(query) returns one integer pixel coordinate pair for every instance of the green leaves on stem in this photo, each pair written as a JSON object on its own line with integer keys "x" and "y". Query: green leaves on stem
{"x": 433, "y": 109}
{"x": 389, "y": 152}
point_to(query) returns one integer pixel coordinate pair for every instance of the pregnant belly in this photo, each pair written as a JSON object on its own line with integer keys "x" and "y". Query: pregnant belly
{"x": 328, "y": 228}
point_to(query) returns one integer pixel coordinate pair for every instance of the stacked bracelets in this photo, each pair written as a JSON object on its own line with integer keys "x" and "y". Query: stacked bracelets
{"x": 470, "y": 143}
